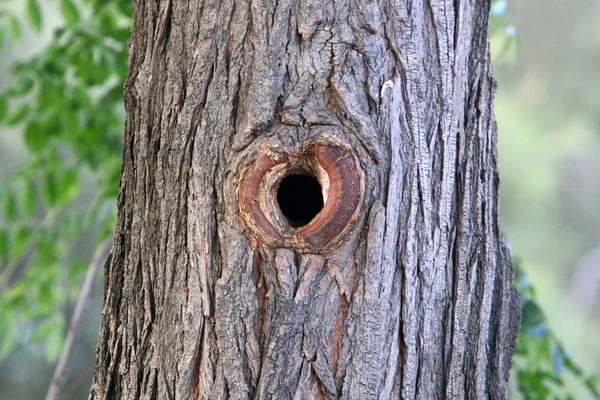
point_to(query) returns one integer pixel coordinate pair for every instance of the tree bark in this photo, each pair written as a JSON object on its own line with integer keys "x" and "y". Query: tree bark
{"x": 400, "y": 288}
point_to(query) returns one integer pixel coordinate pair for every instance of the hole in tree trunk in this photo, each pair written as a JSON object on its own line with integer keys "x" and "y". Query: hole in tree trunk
{"x": 300, "y": 198}
{"x": 305, "y": 200}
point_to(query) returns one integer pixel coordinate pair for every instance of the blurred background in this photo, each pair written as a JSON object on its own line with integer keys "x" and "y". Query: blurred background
{"x": 548, "y": 113}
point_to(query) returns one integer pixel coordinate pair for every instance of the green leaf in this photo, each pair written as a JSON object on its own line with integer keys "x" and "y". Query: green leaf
{"x": 10, "y": 205}
{"x": 3, "y": 107}
{"x": 15, "y": 28}
{"x": 29, "y": 200}
{"x": 72, "y": 226}
{"x": 23, "y": 85}
{"x": 531, "y": 315}
{"x": 69, "y": 12}
{"x": 35, "y": 138}
{"x": 34, "y": 14}
{"x": 18, "y": 115}
{"x": 3, "y": 243}
{"x": 591, "y": 384}
{"x": 19, "y": 242}
{"x": 48, "y": 248}
{"x": 68, "y": 185}
{"x": 47, "y": 296}
{"x": 49, "y": 192}
{"x": 574, "y": 368}
{"x": 15, "y": 297}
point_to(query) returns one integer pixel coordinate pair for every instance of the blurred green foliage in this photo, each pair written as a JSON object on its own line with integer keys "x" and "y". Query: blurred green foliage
{"x": 68, "y": 102}
{"x": 547, "y": 109}
{"x": 541, "y": 364}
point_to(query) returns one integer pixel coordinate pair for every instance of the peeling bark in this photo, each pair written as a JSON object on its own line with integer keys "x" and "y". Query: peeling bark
{"x": 412, "y": 298}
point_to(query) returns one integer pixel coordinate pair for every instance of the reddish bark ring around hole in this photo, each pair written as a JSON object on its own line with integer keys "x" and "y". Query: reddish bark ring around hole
{"x": 343, "y": 196}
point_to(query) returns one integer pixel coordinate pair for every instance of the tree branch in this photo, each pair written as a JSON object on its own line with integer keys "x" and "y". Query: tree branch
{"x": 82, "y": 301}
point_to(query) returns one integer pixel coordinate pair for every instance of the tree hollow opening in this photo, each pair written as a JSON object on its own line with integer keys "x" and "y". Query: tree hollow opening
{"x": 300, "y": 198}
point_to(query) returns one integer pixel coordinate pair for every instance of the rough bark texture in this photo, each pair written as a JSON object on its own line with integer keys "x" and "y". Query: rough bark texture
{"x": 413, "y": 300}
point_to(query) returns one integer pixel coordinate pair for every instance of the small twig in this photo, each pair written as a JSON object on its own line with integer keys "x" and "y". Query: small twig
{"x": 82, "y": 300}
{"x": 7, "y": 273}
{"x": 68, "y": 392}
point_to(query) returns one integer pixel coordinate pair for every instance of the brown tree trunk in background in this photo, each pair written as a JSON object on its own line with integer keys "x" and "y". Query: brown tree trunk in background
{"x": 401, "y": 287}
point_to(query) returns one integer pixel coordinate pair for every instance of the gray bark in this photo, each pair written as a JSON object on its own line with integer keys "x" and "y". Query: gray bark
{"x": 414, "y": 299}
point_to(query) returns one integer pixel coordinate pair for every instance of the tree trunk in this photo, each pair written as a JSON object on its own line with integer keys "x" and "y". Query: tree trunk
{"x": 221, "y": 283}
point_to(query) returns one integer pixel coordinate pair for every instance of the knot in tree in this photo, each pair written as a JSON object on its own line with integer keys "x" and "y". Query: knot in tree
{"x": 305, "y": 200}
